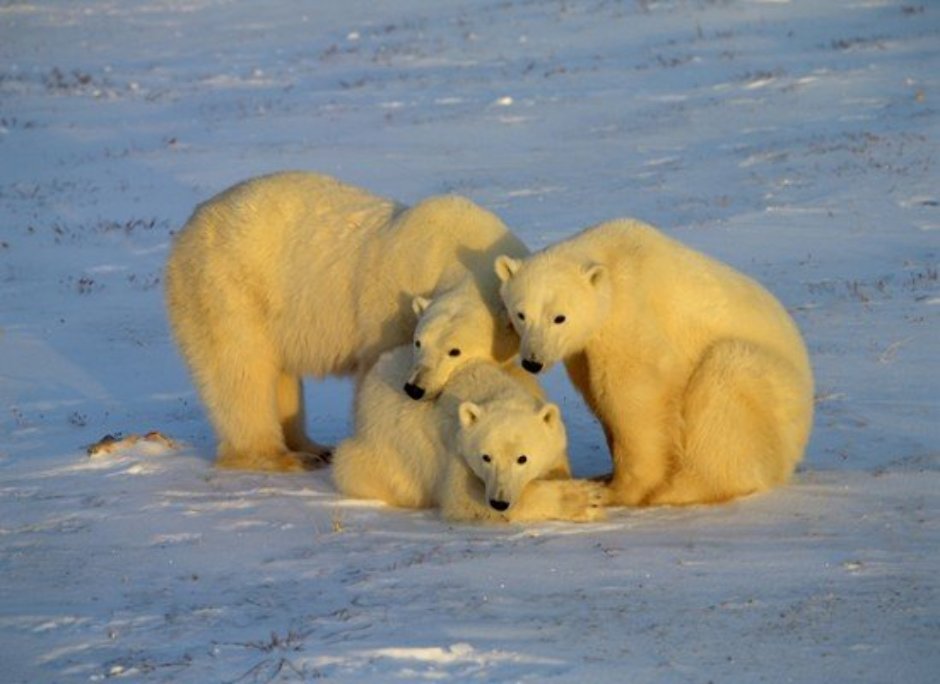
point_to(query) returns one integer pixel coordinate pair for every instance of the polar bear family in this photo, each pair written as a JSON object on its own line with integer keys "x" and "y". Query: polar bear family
{"x": 697, "y": 374}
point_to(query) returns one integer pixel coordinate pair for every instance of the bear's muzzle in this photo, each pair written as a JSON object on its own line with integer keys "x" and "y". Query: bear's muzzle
{"x": 532, "y": 366}
{"x": 414, "y": 391}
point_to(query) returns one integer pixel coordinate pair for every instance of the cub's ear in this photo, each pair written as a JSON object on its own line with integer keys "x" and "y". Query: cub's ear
{"x": 550, "y": 415}
{"x": 595, "y": 274}
{"x": 419, "y": 305}
{"x": 506, "y": 267}
{"x": 469, "y": 413}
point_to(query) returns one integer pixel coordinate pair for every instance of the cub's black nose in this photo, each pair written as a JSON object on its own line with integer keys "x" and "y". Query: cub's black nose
{"x": 499, "y": 505}
{"x": 414, "y": 391}
{"x": 532, "y": 366}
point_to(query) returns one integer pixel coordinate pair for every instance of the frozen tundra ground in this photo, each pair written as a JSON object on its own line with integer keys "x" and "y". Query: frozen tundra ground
{"x": 796, "y": 140}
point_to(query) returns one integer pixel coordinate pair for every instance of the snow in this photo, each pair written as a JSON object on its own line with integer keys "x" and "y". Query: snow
{"x": 796, "y": 140}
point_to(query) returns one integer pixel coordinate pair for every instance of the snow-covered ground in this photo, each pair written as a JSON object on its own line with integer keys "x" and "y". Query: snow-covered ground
{"x": 797, "y": 140}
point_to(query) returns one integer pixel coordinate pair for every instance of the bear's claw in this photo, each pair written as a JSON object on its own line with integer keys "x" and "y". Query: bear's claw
{"x": 315, "y": 461}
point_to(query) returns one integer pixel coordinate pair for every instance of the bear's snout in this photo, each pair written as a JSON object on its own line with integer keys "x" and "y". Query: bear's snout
{"x": 499, "y": 505}
{"x": 413, "y": 391}
{"x": 532, "y": 366}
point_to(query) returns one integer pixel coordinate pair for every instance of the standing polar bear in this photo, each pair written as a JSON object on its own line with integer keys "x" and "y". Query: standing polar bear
{"x": 299, "y": 274}
{"x": 698, "y": 375}
{"x": 487, "y": 449}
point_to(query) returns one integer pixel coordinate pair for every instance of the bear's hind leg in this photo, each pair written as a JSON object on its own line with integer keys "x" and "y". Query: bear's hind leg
{"x": 290, "y": 407}
{"x": 240, "y": 391}
{"x": 686, "y": 489}
{"x": 363, "y": 469}
{"x": 744, "y": 421}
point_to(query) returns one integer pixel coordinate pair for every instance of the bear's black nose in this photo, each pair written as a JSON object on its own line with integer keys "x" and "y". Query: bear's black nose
{"x": 532, "y": 366}
{"x": 414, "y": 391}
{"x": 499, "y": 505}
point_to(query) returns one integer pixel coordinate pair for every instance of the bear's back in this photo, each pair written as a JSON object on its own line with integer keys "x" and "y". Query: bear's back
{"x": 260, "y": 208}
{"x": 699, "y": 297}
{"x": 484, "y": 382}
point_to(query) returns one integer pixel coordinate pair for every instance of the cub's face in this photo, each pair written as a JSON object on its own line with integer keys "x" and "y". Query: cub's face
{"x": 452, "y": 330}
{"x": 508, "y": 447}
{"x": 555, "y": 306}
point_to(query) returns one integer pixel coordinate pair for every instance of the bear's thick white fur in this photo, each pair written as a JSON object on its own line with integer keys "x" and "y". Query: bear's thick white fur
{"x": 299, "y": 274}
{"x": 698, "y": 375}
{"x": 487, "y": 449}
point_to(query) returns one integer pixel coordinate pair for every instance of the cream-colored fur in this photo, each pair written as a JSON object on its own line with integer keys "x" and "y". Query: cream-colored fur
{"x": 299, "y": 274}
{"x": 461, "y": 451}
{"x": 698, "y": 375}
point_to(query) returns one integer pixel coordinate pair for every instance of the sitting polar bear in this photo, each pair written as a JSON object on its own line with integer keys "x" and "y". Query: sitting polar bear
{"x": 698, "y": 375}
{"x": 297, "y": 273}
{"x": 487, "y": 449}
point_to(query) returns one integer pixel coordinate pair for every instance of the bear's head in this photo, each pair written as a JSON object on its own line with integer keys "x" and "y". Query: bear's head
{"x": 508, "y": 446}
{"x": 555, "y": 304}
{"x": 454, "y": 328}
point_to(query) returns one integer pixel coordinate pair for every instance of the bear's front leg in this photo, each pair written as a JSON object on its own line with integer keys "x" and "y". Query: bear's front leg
{"x": 292, "y": 416}
{"x": 640, "y": 422}
{"x": 571, "y": 500}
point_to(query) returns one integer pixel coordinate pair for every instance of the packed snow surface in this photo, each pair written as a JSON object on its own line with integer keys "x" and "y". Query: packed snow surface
{"x": 796, "y": 140}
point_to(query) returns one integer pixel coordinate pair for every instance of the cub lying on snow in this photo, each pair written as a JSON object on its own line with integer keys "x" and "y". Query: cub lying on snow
{"x": 488, "y": 448}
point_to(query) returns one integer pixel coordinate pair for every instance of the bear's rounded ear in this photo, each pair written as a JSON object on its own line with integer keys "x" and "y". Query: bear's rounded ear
{"x": 595, "y": 274}
{"x": 506, "y": 267}
{"x": 550, "y": 415}
{"x": 419, "y": 305}
{"x": 469, "y": 413}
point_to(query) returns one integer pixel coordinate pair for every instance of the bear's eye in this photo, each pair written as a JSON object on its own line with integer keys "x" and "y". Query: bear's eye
{"x": 486, "y": 458}
{"x": 454, "y": 352}
{"x": 522, "y": 459}
{"x": 520, "y": 315}
{"x": 417, "y": 344}
{"x": 560, "y": 318}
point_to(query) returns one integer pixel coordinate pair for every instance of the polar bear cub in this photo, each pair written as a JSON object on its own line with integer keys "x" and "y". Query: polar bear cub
{"x": 299, "y": 274}
{"x": 488, "y": 448}
{"x": 698, "y": 375}
{"x": 459, "y": 326}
